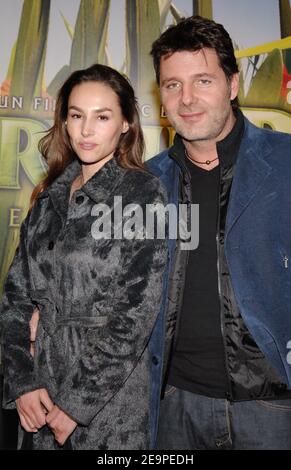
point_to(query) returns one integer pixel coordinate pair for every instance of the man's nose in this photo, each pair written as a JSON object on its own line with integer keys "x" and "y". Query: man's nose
{"x": 188, "y": 95}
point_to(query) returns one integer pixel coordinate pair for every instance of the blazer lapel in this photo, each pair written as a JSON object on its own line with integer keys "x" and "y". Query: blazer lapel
{"x": 168, "y": 171}
{"x": 251, "y": 173}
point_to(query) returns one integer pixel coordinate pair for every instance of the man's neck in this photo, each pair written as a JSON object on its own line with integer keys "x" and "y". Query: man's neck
{"x": 201, "y": 151}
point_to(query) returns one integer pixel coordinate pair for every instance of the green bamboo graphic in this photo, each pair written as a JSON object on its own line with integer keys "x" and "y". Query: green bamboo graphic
{"x": 177, "y": 15}
{"x": 203, "y": 8}
{"x": 68, "y": 26}
{"x": 58, "y": 80}
{"x": 142, "y": 28}
{"x": 90, "y": 36}
{"x": 269, "y": 79}
{"x": 164, "y": 8}
{"x": 24, "y": 79}
{"x": 17, "y": 201}
{"x": 64, "y": 72}
{"x": 11, "y": 63}
{"x": 5, "y": 86}
{"x": 21, "y": 170}
{"x": 27, "y": 74}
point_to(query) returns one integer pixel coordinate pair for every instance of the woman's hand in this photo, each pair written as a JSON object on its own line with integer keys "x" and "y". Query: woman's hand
{"x": 61, "y": 424}
{"x": 33, "y": 323}
{"x": 32, "y": 408}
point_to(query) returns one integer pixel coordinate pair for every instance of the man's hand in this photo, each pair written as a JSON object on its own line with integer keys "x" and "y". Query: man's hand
{"x": 32, "y": 408}
{"x": 61, "y": 424}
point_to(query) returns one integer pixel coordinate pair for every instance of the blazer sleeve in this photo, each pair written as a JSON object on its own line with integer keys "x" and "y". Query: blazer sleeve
{"x": 112, "y": 352}
{"x": 16, "y": 311}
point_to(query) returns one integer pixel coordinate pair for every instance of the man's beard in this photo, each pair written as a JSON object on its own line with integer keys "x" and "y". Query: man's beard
{"x": 208, "y": 131}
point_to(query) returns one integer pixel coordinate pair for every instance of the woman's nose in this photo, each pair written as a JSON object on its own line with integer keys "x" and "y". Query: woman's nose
{"x": 87, "y": 130}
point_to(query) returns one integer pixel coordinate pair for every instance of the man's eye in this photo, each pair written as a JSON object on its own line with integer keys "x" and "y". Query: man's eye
{"x": 173, "y": 86}
{"x": 204, "y": 81}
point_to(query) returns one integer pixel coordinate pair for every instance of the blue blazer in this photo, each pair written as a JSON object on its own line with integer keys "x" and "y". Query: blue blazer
{"x": 257, "y": 239}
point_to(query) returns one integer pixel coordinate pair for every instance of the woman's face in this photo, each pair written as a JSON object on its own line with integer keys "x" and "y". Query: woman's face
{"x": 94, "y": 124}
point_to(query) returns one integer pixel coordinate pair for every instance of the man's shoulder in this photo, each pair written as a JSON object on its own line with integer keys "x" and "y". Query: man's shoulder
{"x": 270, "y": 146}
{"x": 164, "y": 167}
{"x": 271, "y": 136}
{"x": 159, "y": 161}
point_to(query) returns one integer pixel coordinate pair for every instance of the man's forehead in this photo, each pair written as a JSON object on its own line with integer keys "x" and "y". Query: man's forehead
{"x": 202, "y": 54}
{"x": 190, "y": 62}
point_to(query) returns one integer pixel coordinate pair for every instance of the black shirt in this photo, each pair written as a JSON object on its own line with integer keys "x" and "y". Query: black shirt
{"x": 198, "y": 362}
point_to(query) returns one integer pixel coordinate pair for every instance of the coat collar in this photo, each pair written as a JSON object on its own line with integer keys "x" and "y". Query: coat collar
{"x": 97, "y": 188}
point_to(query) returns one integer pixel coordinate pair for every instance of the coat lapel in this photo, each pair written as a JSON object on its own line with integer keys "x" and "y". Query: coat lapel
{"x": 59, "y": 190}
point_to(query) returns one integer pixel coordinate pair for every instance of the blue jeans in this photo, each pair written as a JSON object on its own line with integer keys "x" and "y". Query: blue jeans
{"x": 189, "y": 421}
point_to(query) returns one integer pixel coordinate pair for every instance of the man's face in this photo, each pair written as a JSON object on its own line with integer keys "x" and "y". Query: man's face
{"x": 196, "y": 95}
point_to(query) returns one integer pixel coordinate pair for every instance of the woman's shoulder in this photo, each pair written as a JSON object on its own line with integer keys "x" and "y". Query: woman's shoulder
{"x": 144, "y": 185}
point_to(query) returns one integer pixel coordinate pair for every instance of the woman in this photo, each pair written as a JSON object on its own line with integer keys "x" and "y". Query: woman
{"x": 96, "y": 281}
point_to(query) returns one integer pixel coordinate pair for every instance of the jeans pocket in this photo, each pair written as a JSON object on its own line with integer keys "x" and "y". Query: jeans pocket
{"x": 276, "y": 405}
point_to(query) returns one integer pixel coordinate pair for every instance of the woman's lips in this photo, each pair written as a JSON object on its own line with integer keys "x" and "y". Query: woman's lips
{"x": 87, "y": 146}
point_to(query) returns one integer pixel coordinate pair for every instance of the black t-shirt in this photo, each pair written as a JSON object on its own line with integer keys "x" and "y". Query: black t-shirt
{"x": 198, "y": 361}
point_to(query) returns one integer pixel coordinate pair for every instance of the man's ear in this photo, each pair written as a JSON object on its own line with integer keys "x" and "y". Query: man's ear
{"x": 234, "y": 86}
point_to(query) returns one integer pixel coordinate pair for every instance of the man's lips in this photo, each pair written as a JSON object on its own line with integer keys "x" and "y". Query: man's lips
{"x": 191, "y": 116}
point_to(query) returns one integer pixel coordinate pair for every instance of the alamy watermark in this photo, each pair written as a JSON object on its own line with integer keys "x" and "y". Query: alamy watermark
{"x": 154, "y": 221}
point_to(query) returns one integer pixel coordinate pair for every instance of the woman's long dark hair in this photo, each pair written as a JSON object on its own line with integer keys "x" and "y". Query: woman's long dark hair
{"x": 55, "y": 145}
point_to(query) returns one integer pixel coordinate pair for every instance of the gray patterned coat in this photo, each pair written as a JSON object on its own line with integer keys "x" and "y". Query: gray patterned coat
{"x": 98, "y": 301}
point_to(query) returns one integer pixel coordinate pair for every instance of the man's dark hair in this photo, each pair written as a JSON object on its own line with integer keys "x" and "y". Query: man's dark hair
{"x": 192, "y": 34}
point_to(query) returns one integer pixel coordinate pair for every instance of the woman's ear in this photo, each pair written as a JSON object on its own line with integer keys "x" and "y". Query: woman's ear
{"x": 125, "y": 127}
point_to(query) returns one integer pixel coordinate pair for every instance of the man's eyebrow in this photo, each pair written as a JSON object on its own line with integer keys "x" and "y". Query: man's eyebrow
{"x": 195, "y": 75}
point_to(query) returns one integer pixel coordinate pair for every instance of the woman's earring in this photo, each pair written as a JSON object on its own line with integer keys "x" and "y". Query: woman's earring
{"x": 66, "y": 123}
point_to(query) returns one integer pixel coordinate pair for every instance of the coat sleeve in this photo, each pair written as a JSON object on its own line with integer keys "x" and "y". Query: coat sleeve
{"x": 16, "y": 311}
{"x": 112, "y": 352}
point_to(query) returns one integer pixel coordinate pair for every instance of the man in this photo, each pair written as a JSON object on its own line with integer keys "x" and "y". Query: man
{"x": 229, "y": 301}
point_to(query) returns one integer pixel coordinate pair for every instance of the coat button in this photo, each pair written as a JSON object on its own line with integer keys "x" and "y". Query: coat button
{"x": 155, "y": 360}
{"x": 79, "y": 199}
{"x": 51, "y": 245}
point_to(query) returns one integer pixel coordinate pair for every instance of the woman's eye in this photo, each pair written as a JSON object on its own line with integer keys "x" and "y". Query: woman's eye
{"x": 76, "y": 116}
{"x": 103, "y": 118}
